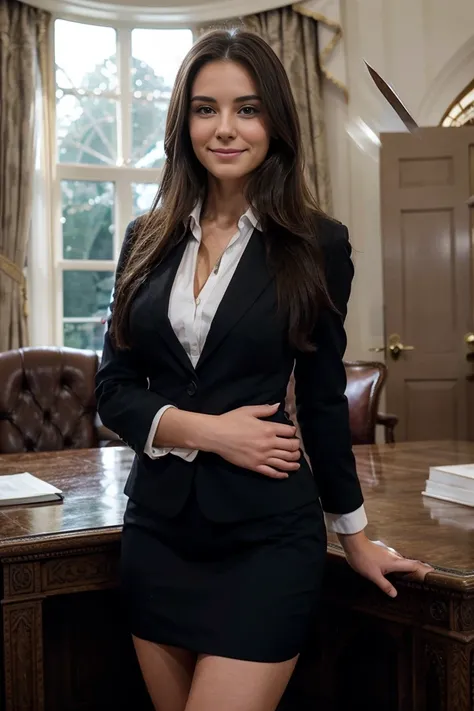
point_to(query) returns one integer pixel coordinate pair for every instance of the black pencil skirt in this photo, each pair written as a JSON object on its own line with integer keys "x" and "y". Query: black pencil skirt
{"x": 244, "y": 590}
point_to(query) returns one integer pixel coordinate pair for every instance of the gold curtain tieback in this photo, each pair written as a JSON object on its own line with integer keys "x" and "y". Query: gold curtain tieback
{"x": 13, "y": 271}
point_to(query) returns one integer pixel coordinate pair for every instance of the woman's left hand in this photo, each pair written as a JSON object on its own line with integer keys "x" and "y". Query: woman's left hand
{"x": 374, "y": 562}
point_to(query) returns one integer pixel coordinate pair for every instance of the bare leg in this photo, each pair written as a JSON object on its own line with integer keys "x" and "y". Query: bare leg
{"x": 168, "y": 673}
{"x": 221, "y": 684}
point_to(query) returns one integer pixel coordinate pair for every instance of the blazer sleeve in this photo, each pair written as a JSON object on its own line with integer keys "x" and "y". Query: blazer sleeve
{"x": 124, "y": 402}
{"x": 320, "y": 384}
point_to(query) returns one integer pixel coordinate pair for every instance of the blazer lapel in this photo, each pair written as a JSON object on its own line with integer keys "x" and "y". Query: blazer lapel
{"x": 163, "y": 278}
{"x": 248, "y": 281}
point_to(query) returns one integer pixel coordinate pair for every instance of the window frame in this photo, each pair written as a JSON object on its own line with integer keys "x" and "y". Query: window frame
{"x": 460, "y": 110}
{"x": 122, "y": 175}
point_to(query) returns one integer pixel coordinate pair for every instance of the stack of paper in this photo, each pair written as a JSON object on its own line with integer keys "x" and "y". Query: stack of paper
{"x": 451, "y": 483}
{"x": 24, "y": 488}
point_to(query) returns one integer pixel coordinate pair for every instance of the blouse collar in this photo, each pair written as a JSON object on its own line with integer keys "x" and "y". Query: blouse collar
{"x": 249, "y": 216}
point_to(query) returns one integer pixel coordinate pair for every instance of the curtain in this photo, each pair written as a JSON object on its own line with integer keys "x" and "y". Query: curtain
{"x": 332, "y": 56}
{"x": 24, "y": 55}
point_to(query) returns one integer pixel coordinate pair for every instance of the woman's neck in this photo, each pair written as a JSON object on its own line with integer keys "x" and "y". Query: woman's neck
{"x": 225, "y": 204}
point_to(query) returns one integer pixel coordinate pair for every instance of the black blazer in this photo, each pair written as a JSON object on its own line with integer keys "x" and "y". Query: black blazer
{"x": 246, "y": 360}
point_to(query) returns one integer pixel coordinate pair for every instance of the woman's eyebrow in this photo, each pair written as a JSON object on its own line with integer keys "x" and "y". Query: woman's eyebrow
{"x": 239, "y": 99}
{"x": 249, "y": 97}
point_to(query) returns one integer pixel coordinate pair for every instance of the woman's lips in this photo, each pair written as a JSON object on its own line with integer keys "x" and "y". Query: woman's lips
{"x": 227, "y": 153}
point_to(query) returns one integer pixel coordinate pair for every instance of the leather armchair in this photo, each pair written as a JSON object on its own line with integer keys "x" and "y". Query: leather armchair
{"x": 47, "y": 400}
{"x": 365, "y": 381}
{"x": 389, "y": 421}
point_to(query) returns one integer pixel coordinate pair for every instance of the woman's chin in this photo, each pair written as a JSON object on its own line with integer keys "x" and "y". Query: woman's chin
{"x": 228, "y": 172}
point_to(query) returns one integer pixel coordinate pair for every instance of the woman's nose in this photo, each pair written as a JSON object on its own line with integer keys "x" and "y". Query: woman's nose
{"x": 226, "y": 127}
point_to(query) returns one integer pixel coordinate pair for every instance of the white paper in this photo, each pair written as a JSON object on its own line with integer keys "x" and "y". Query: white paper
{"x": 464, "y": 470}
{"x": 25, "y": 486}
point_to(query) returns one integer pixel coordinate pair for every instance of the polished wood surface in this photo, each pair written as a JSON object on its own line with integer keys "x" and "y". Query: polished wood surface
{"x": 66, "y": 646}
{"x": 392, "y": 477}
{"x": 92, "y": 481}
{"x": 438, "y": 532}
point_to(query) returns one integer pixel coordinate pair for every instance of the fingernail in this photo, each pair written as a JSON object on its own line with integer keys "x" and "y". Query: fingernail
{"x": 393, "y": 593}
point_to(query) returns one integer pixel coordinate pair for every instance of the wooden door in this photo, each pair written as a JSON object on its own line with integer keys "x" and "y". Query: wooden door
{"x": 427, "y": 267}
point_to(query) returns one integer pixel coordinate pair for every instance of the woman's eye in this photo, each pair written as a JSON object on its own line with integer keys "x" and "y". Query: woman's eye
{"x": 205, "y": 110}
{"x": 249, "y": 110}
{"x": 245, "y": 111}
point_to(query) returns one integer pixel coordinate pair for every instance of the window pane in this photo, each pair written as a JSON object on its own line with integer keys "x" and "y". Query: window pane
{"x": 86, "y": 128}
{"x": 156, "y": 56}
{"x": 86, "y": 56}
{"x": 86, "y": 293}
{"x": 84, "y": 335}
{"x": 143, "y": 196}
{"x": 87, "y": 219}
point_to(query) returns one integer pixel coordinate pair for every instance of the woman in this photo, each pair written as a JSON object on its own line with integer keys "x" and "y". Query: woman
{"x": 233, "y": 278}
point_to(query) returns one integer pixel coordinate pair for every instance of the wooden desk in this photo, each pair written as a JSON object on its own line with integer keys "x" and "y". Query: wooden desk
{"x": 61, "y": 616}
{"x": 65, "y": 647}
{"x": 414, "y": 653}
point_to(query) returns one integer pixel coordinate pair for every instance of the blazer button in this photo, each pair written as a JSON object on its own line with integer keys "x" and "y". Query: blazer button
{"x": 192, "y": 388}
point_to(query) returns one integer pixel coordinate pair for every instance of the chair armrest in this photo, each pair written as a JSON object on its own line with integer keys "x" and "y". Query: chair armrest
{"x": 389, "y": 421}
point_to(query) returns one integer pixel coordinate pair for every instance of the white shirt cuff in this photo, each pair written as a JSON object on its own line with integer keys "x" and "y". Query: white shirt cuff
{"x": 348, "y": 523}
{"x": 189, "y": 455}
{"x": 157, "y": 452}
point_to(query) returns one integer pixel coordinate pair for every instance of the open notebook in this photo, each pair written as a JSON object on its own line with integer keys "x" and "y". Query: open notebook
{"x": 25, "y": 488}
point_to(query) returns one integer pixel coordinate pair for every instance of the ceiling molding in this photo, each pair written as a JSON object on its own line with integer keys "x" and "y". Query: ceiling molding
{"x": 138, "y": 12}
{"x": 453, "y": 78}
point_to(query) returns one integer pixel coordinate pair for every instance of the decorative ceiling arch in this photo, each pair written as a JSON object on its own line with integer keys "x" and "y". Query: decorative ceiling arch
{"x": 451, "y": 82}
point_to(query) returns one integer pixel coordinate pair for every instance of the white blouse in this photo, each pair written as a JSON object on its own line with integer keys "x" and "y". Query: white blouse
{"x": 191, "y": 320}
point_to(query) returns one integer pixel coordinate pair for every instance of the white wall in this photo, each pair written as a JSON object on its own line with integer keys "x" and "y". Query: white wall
{"x": 425, "y": 50}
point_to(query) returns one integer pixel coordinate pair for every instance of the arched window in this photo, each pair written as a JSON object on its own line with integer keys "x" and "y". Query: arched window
{"x": 461, "y": 111}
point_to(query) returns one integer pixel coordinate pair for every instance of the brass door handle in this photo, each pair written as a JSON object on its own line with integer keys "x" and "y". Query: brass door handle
{"x": 469, "y": 341}
{"x": 395, "y": 346}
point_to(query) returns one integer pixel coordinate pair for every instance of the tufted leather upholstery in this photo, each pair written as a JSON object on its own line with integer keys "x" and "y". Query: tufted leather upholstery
{"x": 47, "y": 400}
{"x": 365, "y": 381}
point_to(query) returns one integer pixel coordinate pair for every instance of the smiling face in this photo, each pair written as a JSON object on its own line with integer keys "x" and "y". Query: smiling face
{"x": 227, "y": 121}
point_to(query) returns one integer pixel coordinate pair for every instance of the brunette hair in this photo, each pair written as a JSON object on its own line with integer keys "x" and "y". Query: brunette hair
{"x": 276, "y": 190}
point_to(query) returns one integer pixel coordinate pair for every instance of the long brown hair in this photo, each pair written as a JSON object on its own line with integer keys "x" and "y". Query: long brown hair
{"x": 276, "y": 190}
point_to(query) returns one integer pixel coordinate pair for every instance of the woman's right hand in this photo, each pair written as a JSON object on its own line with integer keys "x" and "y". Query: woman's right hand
{"x": 268, "y": 448}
